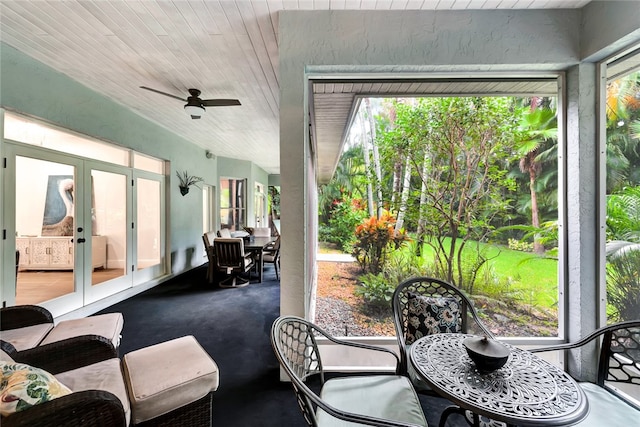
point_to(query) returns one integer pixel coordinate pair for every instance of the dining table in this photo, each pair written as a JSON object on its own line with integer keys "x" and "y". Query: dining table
{"x": 255, "y": 244}
{"x": 526, "y": 391}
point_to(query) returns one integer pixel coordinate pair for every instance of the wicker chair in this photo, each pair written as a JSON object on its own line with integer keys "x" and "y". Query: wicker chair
{"x": 27, "y": 326}
{"x": 618, "y": 370}
{"x": 101, "y": 392}
{"x": 377, "y": 400}
{"x": 80, "y": 408}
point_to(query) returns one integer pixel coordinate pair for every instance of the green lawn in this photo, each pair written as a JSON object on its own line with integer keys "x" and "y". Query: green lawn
{"x": 531, "y": 278}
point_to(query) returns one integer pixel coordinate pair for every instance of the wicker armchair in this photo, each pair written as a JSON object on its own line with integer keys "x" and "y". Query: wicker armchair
{"x": 377, "y": 400}
{"x": 80, "y": 408}
{"x": 27, "y": 326}
{"x": 614, "y": 397}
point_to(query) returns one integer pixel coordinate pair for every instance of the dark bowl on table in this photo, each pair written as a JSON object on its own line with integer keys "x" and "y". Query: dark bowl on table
{"x": 488, "y": 354}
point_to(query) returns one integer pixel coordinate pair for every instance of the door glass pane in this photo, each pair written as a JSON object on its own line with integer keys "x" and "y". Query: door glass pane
{"x": 148, "y": 223}
{"x": 109, "y": 226}
{"x": 44, "y": 230}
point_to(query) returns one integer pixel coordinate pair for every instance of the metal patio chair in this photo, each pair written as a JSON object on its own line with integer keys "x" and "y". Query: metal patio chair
{"x": 377, "y": 400}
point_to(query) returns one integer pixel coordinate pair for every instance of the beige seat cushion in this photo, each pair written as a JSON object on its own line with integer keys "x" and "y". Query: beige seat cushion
{"x": 106, "y": 325}
{"x": 5, "y": 357}
{"x": 27, "y": 337}
{"x": 105, "y": 375}
{"x": 167, "y": 376}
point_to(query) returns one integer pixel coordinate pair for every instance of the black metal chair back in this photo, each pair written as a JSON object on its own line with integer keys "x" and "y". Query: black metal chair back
{"x": 619, "y": 357}
{"x": 431, "y": 287}
{"x": 294, "y": 343}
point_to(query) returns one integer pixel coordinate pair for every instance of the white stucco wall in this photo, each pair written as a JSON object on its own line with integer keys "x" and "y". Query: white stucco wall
{"x": 443, "y": 41}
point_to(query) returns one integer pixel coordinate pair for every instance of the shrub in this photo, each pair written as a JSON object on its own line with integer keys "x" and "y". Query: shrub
{"x": 345, "y": 216}
{"x": 375, "y": 237}
{"x": 518, "y": 245}
{"x": 375, "y": 289}
{"x": 623, "y": 285}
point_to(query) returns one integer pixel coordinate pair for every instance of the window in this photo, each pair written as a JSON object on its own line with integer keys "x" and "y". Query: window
{"x": 622, "y": 189}
{"x": 260, "y": 206}
{"x": 468, "y": 182}
{"x": 233, "y": 203}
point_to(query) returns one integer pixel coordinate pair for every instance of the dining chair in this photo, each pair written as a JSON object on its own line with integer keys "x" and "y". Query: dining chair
{"x": 614, "y": 397}
{"x": 224, "y": 232}
{"x": 207, "y": 239}
{"x": 435, "y": 306}
{"x": 271, "y": 254}
{"x": 262, "y": 232}
{"x": 377, "y": 400}
{"x": 231, "y": 259}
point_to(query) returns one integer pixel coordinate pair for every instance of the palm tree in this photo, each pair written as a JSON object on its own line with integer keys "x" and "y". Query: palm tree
{"x": 540, "y": 134}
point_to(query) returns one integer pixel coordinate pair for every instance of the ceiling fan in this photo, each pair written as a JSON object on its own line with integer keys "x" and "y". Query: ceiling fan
{"x": 194, "y": 105}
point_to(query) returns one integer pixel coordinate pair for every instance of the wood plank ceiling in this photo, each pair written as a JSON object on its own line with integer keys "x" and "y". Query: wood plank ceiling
{"x": 227, "y": 49}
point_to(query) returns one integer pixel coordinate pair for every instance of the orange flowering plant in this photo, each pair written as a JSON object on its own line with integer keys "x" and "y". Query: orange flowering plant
{"x": 375, "y": 237}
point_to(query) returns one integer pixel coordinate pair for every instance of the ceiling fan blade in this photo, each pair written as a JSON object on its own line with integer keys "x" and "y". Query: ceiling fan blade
{"x": 163, "y": 93}
{"x": 219, "y": 102}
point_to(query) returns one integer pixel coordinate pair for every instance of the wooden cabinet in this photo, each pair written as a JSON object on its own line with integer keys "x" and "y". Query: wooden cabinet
{"x": 56, "y": 253}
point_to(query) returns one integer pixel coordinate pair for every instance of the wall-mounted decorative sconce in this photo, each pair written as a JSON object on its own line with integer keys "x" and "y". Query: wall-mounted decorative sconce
{"x": 186, "y": 181}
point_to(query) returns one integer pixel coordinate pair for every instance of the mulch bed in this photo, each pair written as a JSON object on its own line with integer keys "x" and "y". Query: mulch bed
{"x": 342, "y": 313}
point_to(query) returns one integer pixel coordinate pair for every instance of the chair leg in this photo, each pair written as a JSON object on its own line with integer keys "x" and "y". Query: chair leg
{"x": 276, "y": 265}
{"x": 456, "y": 410}
{"x": 236, "y": 282}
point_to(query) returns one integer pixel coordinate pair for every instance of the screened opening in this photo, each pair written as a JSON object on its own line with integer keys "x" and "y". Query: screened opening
{"x": 450, "y": 178}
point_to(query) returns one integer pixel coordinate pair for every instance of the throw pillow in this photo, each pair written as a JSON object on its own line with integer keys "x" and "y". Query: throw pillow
{"x": 23, "y": 386}
{"x": 431, "y": 315}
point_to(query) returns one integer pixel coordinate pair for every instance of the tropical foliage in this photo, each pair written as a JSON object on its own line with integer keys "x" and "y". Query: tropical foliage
{"x": 464, "y": 174}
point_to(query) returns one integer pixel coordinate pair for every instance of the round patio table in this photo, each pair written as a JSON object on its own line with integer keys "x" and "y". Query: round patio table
{"x": 526, "y": 391}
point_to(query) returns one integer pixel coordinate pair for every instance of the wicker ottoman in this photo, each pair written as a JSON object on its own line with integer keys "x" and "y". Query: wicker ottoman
{"x": 171, "y": 383}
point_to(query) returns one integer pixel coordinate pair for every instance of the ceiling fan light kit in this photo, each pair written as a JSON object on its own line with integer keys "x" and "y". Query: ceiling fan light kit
{"x": 194, "y": 111}
{"x": 194, "y": 105}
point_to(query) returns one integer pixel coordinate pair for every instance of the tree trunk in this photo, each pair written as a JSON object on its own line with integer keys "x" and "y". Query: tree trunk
{"x": 535, "y": 221}
{"x": 376, "y": 155}
{"x": 367, "y": 164}
{"x": 406, "y": 186}
{"x": 423, "y": 200}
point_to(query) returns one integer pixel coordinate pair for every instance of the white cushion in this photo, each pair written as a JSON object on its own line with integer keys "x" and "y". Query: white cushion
{"x": 27, "y": 337}
{"x": 383, "y": 396}
{"x": 605, "y": 409}
{"x": 5, "y": 357}
{"x": 105, "y": 375}
{"x": 167, "y": 376}
{"x": 106, "y": 325}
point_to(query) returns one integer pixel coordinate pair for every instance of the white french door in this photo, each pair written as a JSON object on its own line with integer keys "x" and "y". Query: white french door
{"x": 108, "y": 256}
{"x": 48, "y": 222}
{"x": 84, "y": 229}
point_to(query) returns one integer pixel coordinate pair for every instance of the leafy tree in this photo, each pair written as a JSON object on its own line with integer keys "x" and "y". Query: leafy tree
{"x": 623, "y": 126}
{"x": 460, "y": 149}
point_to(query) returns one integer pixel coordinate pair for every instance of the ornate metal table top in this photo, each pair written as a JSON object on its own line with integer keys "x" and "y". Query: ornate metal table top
{"x": 527, "y": 390}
